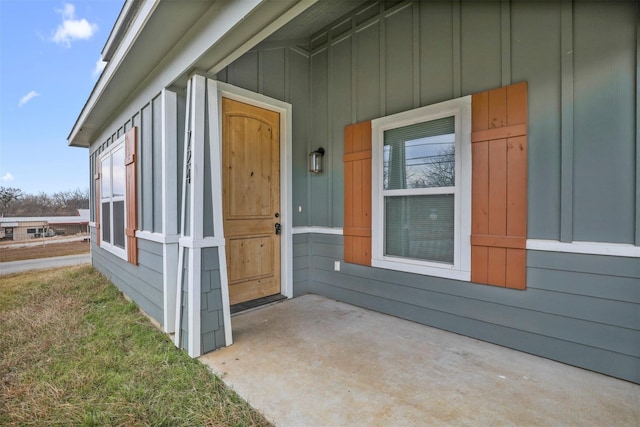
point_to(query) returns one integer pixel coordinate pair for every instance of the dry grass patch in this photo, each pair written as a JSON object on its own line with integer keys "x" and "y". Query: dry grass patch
{"x": 8, "y": 253}
{"x": 74, "y": 352}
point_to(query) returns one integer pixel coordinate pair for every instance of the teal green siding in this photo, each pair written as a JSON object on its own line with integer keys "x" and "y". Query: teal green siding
{"x": 579, "y": 59}
{"x": 211, "y": 316}
{"x": 142, "y": 283}
{"x": 578, "y": 309}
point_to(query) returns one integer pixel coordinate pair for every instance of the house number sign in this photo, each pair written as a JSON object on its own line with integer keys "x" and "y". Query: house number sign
{"x": 189, "y": 157}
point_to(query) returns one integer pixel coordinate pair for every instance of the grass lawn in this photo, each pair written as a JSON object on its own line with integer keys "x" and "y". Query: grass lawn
{"x": 73, "y": 351}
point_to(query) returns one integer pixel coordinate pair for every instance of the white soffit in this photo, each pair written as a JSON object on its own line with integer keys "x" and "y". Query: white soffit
{"x": 203, "y": 35}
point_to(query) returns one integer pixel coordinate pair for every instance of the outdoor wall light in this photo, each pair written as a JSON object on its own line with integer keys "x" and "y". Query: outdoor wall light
{"x": 315, "y": 160}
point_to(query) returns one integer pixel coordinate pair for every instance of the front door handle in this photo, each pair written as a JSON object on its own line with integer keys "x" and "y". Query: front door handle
{"x": 278, "y": 228}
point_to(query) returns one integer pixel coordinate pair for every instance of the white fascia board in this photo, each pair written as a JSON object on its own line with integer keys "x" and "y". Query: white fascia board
{"x": 126, "y": 15}
{"x": 223, "y": 33}
{"x": 263, "y": 34}
{"x": 145, "y": 12}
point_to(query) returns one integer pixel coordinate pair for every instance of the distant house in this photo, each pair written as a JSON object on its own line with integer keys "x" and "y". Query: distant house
{"x": 480, "y": 166}
{"x": 25, "y": 228}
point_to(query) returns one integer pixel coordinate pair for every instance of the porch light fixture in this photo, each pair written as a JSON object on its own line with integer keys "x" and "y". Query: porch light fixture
{"x": 315, "y": 160}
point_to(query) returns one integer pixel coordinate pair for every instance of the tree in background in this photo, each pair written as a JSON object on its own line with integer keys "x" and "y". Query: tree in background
{"x": 15, "y": 203}
{"x": 8, "y": 197}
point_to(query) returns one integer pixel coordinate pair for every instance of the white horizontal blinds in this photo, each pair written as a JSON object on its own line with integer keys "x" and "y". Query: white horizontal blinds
{"x": 420, "y": 227}
{"x": 118, "y": 194}
{"x": 113, "y": 190}
{"x": 105, "y": 192}
{"x": 118, "y": 224}
{"x": 106, "y": 222}
{"x": 419, "y": 190}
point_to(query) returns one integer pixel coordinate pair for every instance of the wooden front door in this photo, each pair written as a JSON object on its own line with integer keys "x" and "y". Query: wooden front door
{"x": 251, "y": 199}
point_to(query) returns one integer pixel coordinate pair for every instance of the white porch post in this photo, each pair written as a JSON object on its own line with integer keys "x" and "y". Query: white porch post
{"x": 169, "y": 212}
{"x": 193, "y": 195}
{"x": 215, "y": 134}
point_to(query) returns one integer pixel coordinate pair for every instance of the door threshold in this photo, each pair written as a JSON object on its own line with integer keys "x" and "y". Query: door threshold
{"x": 248, "y": 305}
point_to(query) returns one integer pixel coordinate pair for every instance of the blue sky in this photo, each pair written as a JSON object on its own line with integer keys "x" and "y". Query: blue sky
{"x": 49, "y": 63}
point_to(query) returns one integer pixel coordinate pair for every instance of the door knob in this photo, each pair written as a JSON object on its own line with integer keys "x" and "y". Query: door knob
{"x": 278, "y": 227}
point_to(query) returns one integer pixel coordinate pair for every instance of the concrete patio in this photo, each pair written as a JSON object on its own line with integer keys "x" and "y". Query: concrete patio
{"x": 311, "y": 361}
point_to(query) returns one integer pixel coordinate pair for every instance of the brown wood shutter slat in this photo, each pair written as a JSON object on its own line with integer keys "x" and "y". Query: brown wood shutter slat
{"x": 132, "y": 195}
{"x": 97, "y": 198}
{"x": 357, "y": 193}
{"x": 499, "y": 187}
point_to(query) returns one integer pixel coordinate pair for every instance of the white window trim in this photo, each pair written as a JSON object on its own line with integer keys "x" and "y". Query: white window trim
{"x": 461, "y": 268}
{"x": 119, "y": 252}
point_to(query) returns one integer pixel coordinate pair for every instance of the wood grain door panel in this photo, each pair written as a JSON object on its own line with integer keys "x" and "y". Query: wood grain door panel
{"x": 251, "y": 199}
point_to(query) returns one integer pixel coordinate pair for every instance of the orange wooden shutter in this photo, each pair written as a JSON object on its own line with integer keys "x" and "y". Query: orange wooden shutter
{"x": 499, "y": 187}
{"x": 357, "y": 193}
{"x": 132, "y": 196}
{"x": 97, "y": 199}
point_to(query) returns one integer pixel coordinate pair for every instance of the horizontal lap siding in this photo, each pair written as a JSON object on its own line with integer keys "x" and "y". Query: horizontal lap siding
{"x": 557, "y": 317}
{"x": 300, "y": 264}
{"x": 578, "y": 309}
{"x": 142, "y": 283}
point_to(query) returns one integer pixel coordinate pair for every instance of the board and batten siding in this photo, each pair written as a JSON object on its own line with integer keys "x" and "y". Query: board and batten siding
{"x": 149, "y": 122}
{"x": 581, "y": 97}
{"x": 282, "y": 73}
{"x": 143, "y": 283}
{"x": 583, "y": 165}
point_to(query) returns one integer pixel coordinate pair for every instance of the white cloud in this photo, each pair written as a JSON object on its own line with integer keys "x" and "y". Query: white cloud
{"x": 28, "y": 97}
{"x": 100, "y": 64}
{"x": 7, "y": 177}
{"x": 72, "y": 28}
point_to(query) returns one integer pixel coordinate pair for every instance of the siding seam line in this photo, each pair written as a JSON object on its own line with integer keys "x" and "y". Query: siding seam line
{"x": 451, "y": 313}
{"x": 637, "y": 126}
{"x": 505, "y": 41}
{"x": 457, "y": 48}
{"x": 417, "y": 95}
{"x": 566, "y": 121}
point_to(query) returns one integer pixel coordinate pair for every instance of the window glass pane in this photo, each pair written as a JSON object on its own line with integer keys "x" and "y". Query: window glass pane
{"x": 106, "y": 222}
{"x": 105, "y": 178}
{"x": 118, "y": 224}
{"x": 420, "y": 227}
{"x": 421, "y": 155}
{"x": 119, "y": 179}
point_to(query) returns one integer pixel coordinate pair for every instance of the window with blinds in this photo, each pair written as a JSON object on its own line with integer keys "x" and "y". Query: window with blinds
{"x": 112, "y": 195}
{"x": 418, "y": 190}
{"x": 421, "y": 168}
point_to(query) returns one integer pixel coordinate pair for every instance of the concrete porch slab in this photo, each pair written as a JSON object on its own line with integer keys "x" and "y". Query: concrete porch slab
{"x": 312, "y": 361}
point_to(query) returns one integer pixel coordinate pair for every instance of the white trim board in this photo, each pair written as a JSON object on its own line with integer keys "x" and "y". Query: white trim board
{"x": 588, "y": 248}
{"x": 286, "y": 180}
{"x": 205, "y": 242}
{"x": 169, "y": 235}
{"x": 460, "y": 268}
{"x": 317, "y": 230}
{"x": 216, "y": 91}
{"x": 157, "y": 237}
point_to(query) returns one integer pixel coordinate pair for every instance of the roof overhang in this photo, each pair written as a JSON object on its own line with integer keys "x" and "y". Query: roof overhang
{"x": 204, "y": 36}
